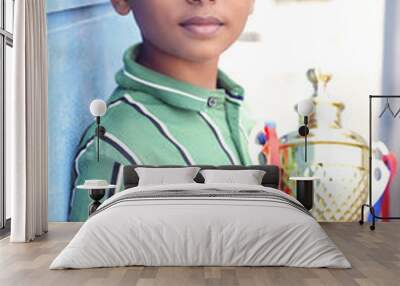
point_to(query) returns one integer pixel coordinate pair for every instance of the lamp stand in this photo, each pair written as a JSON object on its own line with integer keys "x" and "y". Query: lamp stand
{"x": 100, "y": 132}
{"x": 304, "y": 131}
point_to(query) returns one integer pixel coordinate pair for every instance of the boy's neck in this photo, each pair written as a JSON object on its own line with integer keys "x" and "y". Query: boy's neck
{"x": 198, "y": 74}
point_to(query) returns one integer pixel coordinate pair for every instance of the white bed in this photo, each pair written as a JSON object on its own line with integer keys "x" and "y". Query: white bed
{"x": 201, "y": 225}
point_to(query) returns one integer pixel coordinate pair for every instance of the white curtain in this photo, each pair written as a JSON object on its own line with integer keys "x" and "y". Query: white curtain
{"x": 26, "y": 117}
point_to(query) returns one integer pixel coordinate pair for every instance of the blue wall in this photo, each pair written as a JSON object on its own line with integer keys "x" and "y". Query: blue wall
{"x": 86, "y": 40}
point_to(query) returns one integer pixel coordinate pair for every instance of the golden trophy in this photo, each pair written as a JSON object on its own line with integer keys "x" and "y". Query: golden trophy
{"x": 337, "y": 156}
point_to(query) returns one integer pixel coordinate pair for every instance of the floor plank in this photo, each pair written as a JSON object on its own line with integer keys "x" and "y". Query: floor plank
{"x": 375, "y": 257}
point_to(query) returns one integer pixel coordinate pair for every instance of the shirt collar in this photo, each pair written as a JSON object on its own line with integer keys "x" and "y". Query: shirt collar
{"x": 172, "y": 91}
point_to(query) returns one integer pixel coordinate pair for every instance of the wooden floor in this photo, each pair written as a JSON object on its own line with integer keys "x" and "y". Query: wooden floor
{"x": 375, "y": 257}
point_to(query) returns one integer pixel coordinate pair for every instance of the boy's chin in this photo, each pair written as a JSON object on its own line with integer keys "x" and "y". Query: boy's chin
{"x": 201, "y": 52}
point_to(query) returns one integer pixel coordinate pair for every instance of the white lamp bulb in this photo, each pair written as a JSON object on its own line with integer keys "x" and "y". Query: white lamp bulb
{"x": 305, "y": 107}
{"x": 98, "y": 107}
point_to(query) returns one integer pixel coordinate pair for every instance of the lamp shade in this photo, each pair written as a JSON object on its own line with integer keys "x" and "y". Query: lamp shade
{"x": 98, "y": 107}
{"x": 305, "y": 107}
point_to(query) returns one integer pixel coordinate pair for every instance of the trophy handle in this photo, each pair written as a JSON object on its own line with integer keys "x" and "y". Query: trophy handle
{"x": 317, "y": 78}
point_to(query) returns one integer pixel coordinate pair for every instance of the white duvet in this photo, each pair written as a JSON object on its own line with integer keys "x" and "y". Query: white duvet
{"x": 202, "y": 231}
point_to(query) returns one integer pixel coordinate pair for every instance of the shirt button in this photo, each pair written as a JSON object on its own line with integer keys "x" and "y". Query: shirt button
{"x": 211, "y": 102}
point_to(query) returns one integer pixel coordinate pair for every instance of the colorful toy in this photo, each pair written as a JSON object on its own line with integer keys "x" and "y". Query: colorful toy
{"x": 269, "y": 140}
{"x": 384, "y": 170}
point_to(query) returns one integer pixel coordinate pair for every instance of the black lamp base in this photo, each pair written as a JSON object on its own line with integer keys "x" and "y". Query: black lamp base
{"x": 96, "y": 195}
{"x": 305, "y": 193}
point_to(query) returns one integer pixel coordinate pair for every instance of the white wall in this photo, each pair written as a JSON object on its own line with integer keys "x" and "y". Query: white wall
{"x": 344, "y": 37}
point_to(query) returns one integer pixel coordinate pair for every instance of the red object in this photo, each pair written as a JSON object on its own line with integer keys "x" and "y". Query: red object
{"x": 287, "y": 190}
{"x": 266, "y": 131}
{"x": 271, "y": 148}
{"x": 391, "y": 162}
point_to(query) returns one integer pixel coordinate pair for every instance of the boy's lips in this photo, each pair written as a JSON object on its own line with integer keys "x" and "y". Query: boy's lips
{"x": 202, "y": 27}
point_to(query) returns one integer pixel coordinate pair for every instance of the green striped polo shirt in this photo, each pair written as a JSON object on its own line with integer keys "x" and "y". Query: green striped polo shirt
{"x": 157, "y": 120}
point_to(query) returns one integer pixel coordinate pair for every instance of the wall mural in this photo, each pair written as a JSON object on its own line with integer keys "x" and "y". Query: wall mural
{"x": 155, "y": 119}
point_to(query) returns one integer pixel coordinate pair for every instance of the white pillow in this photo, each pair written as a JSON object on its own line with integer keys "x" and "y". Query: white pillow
{"x": 246, "y": 177}
{"x": 166, "y": 176}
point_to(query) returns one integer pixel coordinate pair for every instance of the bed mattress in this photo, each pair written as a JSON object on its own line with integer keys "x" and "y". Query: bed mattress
{"x": 201, "y": 225}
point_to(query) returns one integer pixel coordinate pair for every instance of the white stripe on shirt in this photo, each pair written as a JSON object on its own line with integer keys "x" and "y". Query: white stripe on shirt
{"x": 220, "y": 137}
{"x": 162, "y": 126}
{"x": 234, "y": 100}
{"x": 165, "y": 88}
{"x": 246, "y": 136}
{"x": 123, "y": 146}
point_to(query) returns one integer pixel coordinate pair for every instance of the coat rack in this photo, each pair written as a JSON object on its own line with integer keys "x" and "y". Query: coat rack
{"x": 370, "y": 205}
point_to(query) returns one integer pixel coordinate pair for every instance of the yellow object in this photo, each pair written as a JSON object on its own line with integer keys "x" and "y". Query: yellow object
{"x": 339, "y": 157}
